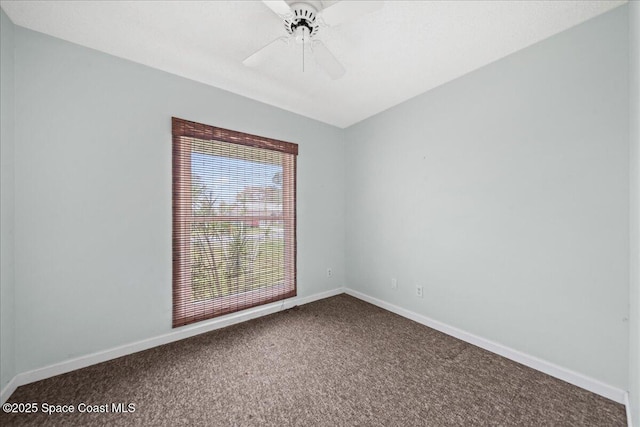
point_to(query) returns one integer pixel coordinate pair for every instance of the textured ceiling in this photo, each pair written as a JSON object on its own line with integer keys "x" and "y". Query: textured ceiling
{"x": 395, "y": 53}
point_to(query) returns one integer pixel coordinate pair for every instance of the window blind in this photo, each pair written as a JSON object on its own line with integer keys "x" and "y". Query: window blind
{"x": 234, "y": 221}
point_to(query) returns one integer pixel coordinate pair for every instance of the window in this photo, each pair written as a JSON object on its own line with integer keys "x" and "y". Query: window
{"x": 234, "y": 221}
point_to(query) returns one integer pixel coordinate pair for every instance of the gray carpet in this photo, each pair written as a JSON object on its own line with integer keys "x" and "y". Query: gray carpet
{"x": 335, "y": 362}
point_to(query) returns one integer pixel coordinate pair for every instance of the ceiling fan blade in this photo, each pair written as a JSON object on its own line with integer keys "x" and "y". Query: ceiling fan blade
{"x": 279, "y": 7}
{"x": 264, "y": 52}
{"x": 327, "y": 61}
{"x": 344, "y": 11}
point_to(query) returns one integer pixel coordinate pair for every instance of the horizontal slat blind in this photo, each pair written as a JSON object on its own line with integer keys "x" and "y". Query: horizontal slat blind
{"x": 234, "y": 225}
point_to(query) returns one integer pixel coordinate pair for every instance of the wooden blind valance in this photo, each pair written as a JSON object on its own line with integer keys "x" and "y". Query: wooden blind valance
{"x": 186, "y": 128}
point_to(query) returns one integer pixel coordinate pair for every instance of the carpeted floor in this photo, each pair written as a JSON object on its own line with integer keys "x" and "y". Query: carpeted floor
{"x": 335, "y": 362}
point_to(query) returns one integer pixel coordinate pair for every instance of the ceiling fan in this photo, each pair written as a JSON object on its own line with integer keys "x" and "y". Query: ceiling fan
{"x": 302, "y": 22}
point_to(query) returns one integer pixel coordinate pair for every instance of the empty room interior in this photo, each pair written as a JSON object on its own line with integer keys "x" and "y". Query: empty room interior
{"x": 378, "y": 213}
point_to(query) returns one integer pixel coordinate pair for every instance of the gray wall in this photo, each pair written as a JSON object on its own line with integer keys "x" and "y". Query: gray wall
{"x": 93, "y": 195}
{"x": 505, "y": 194}
{"x": 634, "y": 137}
{"x": 7, "y": 325}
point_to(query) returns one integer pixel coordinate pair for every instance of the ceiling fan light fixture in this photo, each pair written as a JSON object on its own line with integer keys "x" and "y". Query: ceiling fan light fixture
{"x": 303, "y": 16}
{"x": 302, "y": 35}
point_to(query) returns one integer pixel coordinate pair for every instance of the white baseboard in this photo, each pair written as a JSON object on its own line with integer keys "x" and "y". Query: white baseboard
{"x": 175, "y": 335}
{"x": 8, "y": 389}
{"x": 627, "y": 405}
{"x": 549, "y": 368}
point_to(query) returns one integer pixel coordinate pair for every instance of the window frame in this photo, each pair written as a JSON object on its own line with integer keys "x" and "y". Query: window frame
{"x": 185, "y": 309}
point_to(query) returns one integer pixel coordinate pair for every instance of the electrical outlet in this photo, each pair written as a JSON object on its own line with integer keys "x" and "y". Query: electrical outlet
{"x": 329, "y": 272}
{"x": 394, "y": 284}
{"x": 419, "y": 291}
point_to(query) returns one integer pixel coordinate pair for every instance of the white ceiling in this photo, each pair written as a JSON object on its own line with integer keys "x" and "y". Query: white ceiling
{"x": 393, "y": 54}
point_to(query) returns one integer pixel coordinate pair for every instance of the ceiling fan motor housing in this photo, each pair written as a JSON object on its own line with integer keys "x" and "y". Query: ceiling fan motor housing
{"x": 302, "y": 20}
